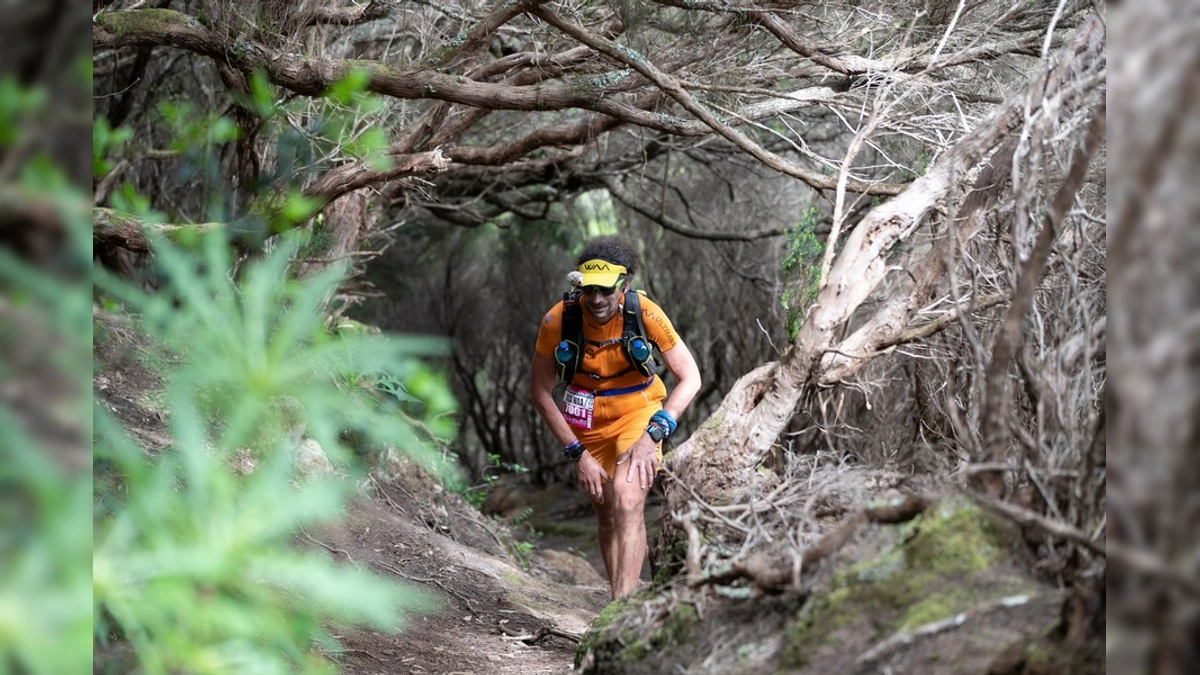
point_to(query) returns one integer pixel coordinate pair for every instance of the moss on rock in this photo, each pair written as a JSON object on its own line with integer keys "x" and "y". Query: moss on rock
{"x": 944, "y": 562}
{"x": 149, "y": 20}
{"x": 601, "y": 625}
{"x": 626, "y": 647}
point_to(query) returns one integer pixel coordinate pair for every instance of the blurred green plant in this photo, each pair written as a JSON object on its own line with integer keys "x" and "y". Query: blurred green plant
{"x": 801, "y": 271}
{"x": 350, "y": 117}
{"x": 45, "y": 340}
{"x": 17, "y": 104}
{"x": 475, "y": 495}
{"x": 45, "y": 624}
{"x": 192, "y": 564}
{"x": 105, "y": 142}
{"x": 521, "y": 549}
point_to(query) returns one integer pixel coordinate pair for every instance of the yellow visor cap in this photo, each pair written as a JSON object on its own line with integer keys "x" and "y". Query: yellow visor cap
{"x": 601, "y": 273}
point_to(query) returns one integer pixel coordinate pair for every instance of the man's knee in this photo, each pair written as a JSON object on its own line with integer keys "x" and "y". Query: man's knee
{"x": 629, "y": 503}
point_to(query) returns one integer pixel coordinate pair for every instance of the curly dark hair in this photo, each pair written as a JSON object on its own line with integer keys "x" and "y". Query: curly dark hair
{"x": 615, "y": 248}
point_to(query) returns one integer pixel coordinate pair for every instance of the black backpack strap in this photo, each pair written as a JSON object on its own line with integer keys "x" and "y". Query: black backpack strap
{"x": 567, "y": 362}
{"x": 633, "y": 315}
{"x": 568, "y": 354}
{"x": 633, "y": 328}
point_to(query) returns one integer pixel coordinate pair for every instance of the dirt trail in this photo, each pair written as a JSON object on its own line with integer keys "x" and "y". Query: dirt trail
{"x": 495, "y": 616}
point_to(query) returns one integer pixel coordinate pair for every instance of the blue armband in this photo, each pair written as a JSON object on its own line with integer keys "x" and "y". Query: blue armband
{"x": 663, "y": 420}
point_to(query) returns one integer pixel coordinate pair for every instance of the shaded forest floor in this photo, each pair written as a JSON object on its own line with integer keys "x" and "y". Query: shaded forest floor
{"x": 496, "y": 613}
{"x": 515, "y": 592}
{"x": 512, "y": 593}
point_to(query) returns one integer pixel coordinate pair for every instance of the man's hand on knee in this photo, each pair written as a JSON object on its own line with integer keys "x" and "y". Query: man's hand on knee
{"x": 642, "y": 459}
{"x": 591, "y": 477}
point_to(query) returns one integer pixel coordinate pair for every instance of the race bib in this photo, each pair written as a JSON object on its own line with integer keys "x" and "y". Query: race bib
{"x": 578, "y": 407}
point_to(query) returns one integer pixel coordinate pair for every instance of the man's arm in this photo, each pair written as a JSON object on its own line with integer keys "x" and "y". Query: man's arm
{"x": 682, "y": 364}
{"x": 641, "y": 454}
{"x": 541, "y": 390}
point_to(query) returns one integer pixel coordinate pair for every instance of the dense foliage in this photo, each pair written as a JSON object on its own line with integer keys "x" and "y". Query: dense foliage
{"x": 193, "y": 563}
{"x": 195, "y": 567}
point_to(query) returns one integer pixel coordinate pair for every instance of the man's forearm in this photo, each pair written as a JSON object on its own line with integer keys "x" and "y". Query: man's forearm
{"x": 553, "y": 418}
{"x": 681, "y": 397}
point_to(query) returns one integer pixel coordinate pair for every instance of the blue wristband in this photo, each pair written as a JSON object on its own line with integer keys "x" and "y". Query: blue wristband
{"x": 663, "y": 419}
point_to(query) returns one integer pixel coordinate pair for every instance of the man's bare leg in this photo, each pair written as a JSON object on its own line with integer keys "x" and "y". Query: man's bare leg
{"x": 626, "y": 502}
{"x": 606, "y": 527}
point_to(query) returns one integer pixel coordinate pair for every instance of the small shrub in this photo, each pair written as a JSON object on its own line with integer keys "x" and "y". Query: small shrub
{"x": 801, "y": 271}
{"x": 193, "y": 565}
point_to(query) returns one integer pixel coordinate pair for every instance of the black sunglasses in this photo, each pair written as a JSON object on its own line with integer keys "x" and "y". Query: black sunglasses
{"x": 602, "y": 290}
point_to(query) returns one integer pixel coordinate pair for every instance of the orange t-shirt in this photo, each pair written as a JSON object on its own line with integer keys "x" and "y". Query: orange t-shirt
{"x": 609, "y": 359}
{"x": 621, "y": 419}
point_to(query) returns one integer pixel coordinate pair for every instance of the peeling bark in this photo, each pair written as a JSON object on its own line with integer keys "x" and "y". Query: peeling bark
{"x": 890, "y": 324}
{"x": 724, "y": 453}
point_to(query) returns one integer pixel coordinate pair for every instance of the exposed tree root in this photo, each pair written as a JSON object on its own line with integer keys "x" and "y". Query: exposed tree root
{"x": 772, "y": 579}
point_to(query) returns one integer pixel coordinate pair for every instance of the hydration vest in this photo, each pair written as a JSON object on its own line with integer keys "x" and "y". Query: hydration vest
{"x": 568, "y": 356}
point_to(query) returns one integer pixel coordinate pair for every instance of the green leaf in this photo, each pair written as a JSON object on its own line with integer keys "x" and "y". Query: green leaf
{"x": 222, "y": 130}
{"x": 372, "y": 146}
{"x": 344, "y": 90}
{"x": 296, "y": 209}
{"x": 262, "y": 95}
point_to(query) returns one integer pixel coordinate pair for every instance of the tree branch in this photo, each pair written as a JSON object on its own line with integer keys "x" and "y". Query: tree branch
{"x": 869, "y": 661}
{"x": 675, "y": 90}
{"x": 114, "y": 229}
{"x": 355, "y": 175}
{"x": 1009, "y": 336}
{"x": 926, "y": 329}
{"x": 344, "y": 16}
{"x": 312, "y": 77}
{"x": 1066, "y": 81}
{"x": 1137, "y": 561}
{"x": 668, "y": 223}
{"x": 772, "y": 578}
{"x": 913, "y": 59}
{"x": 567, "y": 135}
{"x": 889, "y": 325}
{"x": 122, "y": 230}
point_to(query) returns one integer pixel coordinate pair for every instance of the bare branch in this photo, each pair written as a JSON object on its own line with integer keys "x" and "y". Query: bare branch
{"x": 772, "y": 579}
{"x": 1010, "y": 337}
{"x": 1066, "y": 83}
{"x": 313, "y": 76}
{"x": 350, "y": 177}
{"x": 114, "y": 229}
{"x": 1140, "y": 562}
{"x": 675, "y": 90}
{"x": 344, "y": 16}
{"x": 869, "y": 661}
{"x": 622, "y": 195}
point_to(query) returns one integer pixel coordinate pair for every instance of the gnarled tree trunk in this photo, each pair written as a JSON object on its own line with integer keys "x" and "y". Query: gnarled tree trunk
{"x": 724, "y": 459}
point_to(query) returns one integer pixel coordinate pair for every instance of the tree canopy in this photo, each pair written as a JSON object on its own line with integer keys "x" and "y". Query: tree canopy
{"x": 488, "y": 110}
{"x": 727, "y": 132}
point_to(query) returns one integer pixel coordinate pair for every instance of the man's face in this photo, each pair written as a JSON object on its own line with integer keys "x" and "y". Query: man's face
{"x": 602, "y": 302}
